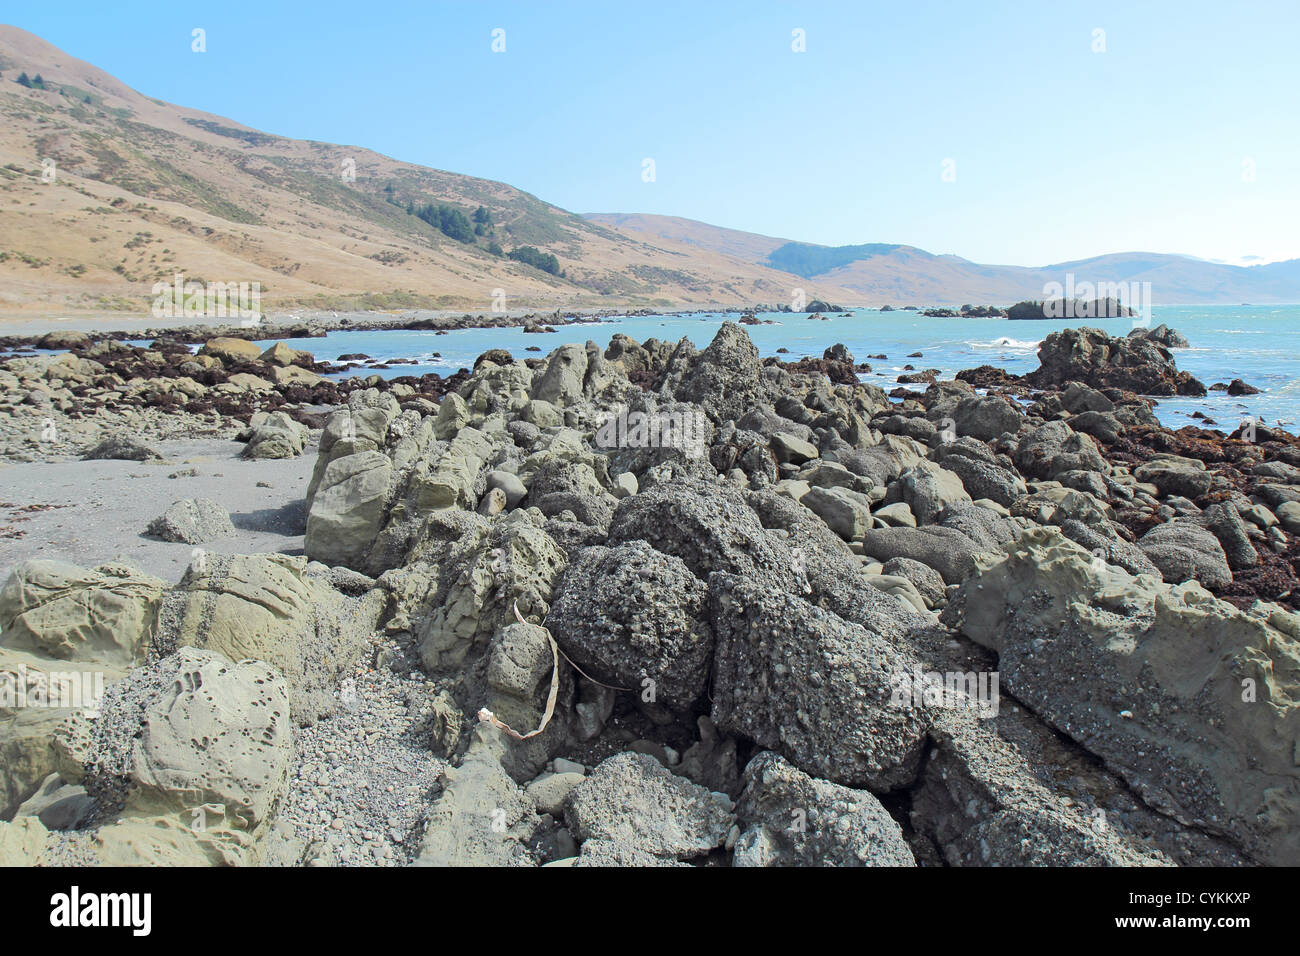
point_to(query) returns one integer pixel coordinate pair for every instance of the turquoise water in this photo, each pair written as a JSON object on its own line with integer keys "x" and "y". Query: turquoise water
{"x": 1259, "y": 344}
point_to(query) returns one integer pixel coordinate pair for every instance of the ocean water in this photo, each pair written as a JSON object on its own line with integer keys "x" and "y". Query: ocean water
{"x": 1258, "y": 344}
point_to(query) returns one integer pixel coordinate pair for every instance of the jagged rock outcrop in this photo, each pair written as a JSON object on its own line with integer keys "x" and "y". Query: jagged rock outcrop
{"x": 1191, "y": 700}
{"x": 1134, "y": 364}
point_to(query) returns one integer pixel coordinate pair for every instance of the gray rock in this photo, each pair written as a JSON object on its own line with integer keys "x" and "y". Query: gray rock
{"x": 947, "y": 550}
{"x": 982, "y": 804}
{"x": 122, "y": 447}
{"x": 347, "y": 509}
{"x": 927, "y": 581}
{"x": 1054, "y": 448}
{"x": 801, "y": 681}
{"x": 633, "y": 800}
{"x": 796, "y": 451}
{"x": 561, "y": 382}
{"x": 1225, "y": 523}
{"x": 791, "y": 819}
{"x": 845, "y": 512}
{"x": 482, "y": 817}
{"x": 928, "y": 489}
{"x": 1102, "y": 425}
{"x": 59, "y": 805}
{"x": 1166, "y": 703}
{"x": 1079, "y": 398}
{"x": 275, "y": 435}
{"x": 629, "y": 614}
{"x": 982, "y": 476}
{"x": 985, "y": 417}
{"x": 725, "y": 379}
{"x": 192, "y": 521}
{"x": 1110, "y": 549}
{"x": 510, "y": 484}
{"x": 1184, "y": 551}
{"x": 1288, "y": 514}
{"x": 1175, "y": 475}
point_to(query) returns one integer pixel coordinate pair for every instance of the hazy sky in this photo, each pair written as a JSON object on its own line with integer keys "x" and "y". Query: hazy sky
{"x": 1182, "y": 136}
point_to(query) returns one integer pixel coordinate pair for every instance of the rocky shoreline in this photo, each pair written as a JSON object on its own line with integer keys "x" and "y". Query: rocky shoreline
{"x": 780, "y": 617}
{"x": 267, "y": 327}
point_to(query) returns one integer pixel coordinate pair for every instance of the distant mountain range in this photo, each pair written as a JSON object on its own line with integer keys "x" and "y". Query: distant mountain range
{"x": 105, "y": 191}
{"x": 879, "y": 273}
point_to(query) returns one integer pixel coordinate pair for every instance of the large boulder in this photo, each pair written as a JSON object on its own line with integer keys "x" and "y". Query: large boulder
{"x": 709, "y": 527}
{"x": 1192, "y": 701}
{"x": 561, "y": 382}
{"x": 266, "y": 607}
{"x": 1175, "y": 475}
{"x": 275, "y": 435}
{"x": 1224, "y": 521}
{"x": 281, "y": 354}
{"x": 929, "y": 489}
{"x": 482, "y": 817}
{"x": 984, "y": 417}
{"x": 807, "y": 684}
{"x": 231, "y": 349}
{"x": 1087, "y": 355}
{"x": 982, "y": 475}
{"x": 122, "y": 447}
{"x": 629, "y": 615}
{"x": 1186, "y": 551}
{"x": 63, "y": 612}
{"x": 846, "y": 512}
{"x": 1053, "y": 448}
{"x": 212, "y": 733}
{"x": 725, "y": 379}
{"x": 346, "y": 511}
{"x": 982, "y": 803}
{"x": 947, "y": 550}
{"x": 514, "y": 563}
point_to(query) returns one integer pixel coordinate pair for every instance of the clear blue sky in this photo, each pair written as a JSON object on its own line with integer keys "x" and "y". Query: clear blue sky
{"x": 1059, "y": 152}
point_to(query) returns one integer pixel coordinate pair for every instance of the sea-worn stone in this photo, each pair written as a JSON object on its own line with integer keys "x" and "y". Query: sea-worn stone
{"x": 1175, "y": 475}
{"x": 1185, "y": 551}
{"x": 266, "y": 607}
{"x": 217, "y": 733}
{"x": 1191, "y": 700}
{"x": 791, "y": 819}
{"x": 634, "y": 800}
{"x": 801, "y": 681}
{"x": 1054, "y": 448}
{"x": 192, "y": 521}
{"x": 275, "y": 435}
{"x": 122, "y": 447}
{"x": 634, "y": 617}
{"x": 66, "y": 613}
{"x": 847, "y": 513}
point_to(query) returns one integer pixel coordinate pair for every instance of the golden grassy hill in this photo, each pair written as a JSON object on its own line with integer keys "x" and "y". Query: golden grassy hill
{"x": 144, "y": 189}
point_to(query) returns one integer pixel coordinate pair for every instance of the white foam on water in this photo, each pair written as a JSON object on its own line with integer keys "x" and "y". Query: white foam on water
{"x": 1006, "y": 342}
